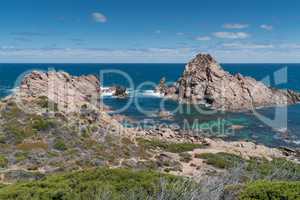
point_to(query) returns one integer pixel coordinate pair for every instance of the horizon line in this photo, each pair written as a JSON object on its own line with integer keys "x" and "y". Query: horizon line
{"x": 1, "y": 63}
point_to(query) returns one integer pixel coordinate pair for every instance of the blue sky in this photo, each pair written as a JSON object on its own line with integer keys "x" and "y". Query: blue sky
{"x": 149, "y": 30}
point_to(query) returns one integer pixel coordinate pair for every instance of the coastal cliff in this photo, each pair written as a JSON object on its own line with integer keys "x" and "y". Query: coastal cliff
{"x": 204, "y": 81}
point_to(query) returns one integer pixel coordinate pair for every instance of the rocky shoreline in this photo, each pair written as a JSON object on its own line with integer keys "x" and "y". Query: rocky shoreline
{"x": 75, "y": 132}
{"x": 55, "y": 126}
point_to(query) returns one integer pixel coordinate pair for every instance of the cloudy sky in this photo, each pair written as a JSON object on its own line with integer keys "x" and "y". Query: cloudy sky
{"x": 149, "y": 30}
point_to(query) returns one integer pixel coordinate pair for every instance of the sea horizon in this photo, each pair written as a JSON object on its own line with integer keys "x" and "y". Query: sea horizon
{"x": 221, "y": 63}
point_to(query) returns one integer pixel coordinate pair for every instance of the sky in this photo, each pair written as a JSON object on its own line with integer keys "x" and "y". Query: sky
{"x": 149, "y": 31}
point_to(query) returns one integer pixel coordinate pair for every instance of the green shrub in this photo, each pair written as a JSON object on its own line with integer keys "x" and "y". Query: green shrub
{"x": 265, "y": 190}
{"x": 59, "y": 144}
{"x": 2, "y": 138}
{"x": 257, "y": 168}
{"x": 19, "y": 125}
{"x": 19, "y": 131}
{"x": 41, "y": 124}
{"x": 221, "y": 160}
{"x": 52, "y": 154}
{"x": 89, "y": 185}
{"x": 3, "y": 161}
{"x": 20, "y": 156}
{"x": 168, "y": 146}
{"x": 277, "y": 169}
{"x": 2, "y": 185}
{"x": 44, "y": 102}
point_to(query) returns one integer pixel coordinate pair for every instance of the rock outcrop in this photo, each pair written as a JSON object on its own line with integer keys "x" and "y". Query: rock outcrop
{"x": 204, "y": 81}
{"x": 53, "y": 113}
{"x": 120, "y": 92}
{"x": 68, "y": 96}
{"x": 162, "y": 87}
{"x": 70, "y": 93}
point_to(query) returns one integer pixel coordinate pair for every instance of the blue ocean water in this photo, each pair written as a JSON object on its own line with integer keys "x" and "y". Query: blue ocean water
{"x": 215, "y": 124}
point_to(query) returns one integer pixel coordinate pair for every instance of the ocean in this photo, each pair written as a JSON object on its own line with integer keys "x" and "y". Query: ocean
{"x": 143, "y": 104}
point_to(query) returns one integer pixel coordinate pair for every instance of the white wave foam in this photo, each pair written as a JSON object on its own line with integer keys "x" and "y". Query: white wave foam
{"x": 7, "y": 89}
{"x": 13, "y": 90}
{"x": 296, "y": 142}
{"x": 281, "y": 130}
{"x": 108, "y": 92}
{"x": 151, "y": 93}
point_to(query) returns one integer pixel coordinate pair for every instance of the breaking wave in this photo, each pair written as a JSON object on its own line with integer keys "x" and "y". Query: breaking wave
{"x": 108, "y": 92}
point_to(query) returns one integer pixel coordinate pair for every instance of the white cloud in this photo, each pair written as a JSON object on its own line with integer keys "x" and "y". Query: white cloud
{"x": 266, "y": 27}
{"x": 231, "y": 35}
{"x": 96, "y": 54}
{"x": 203, "y": 38}
{"x": 248, "y": 46}
{"x": 290, "y": 46}
{"x": 228, "y": 52}
{"x": 235, "y": 26}
{"x": 99, "y": 17}
{"x": 256, "y": 56}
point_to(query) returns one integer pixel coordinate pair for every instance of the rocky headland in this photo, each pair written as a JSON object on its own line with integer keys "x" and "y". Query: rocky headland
{"x": 55, "y": 123}
{"x": 204, "y": 81}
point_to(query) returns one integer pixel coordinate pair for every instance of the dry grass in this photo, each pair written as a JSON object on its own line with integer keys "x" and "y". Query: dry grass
{"x": 33, "y": 145}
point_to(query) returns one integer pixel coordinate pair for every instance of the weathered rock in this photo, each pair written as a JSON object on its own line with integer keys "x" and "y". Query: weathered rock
{"x": 77, "y": 100}
{"x": 70, "y": 93}
{"x": 204, "y": 81}
{"x": 295, "y": 153}
{"x": 120, "y": 92}
{"x": 167, "y": 115}
{"x": 162, "y": 87}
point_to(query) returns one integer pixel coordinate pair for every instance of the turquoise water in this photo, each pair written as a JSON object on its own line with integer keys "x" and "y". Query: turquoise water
{"x": 216, "y": 124}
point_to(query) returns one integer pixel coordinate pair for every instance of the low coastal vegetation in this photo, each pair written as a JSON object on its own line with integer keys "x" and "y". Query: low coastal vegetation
{"x": 60, "y": 144}
{"x": 119, "y": 184}
{"x": 266, "y": 190}
{"x": 114, "y": 184}
{"x": 3, "y": 161}
{"x": 168, "y": 146}
{"x": 255, "y": 168}
{"x": 221, "y": 160}
{"x": 19, "y": 125}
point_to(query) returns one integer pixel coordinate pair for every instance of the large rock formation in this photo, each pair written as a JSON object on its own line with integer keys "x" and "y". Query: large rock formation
{"x": 204, "y": 81}
{"x": 70, "y": 93}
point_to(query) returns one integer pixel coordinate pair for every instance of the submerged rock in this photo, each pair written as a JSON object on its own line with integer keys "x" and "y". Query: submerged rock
{"x": 205, "y": 82}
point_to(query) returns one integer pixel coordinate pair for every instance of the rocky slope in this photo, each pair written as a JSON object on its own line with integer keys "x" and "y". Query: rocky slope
{"x": 54, "y": 122}
{"x": 204, "y": 81}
